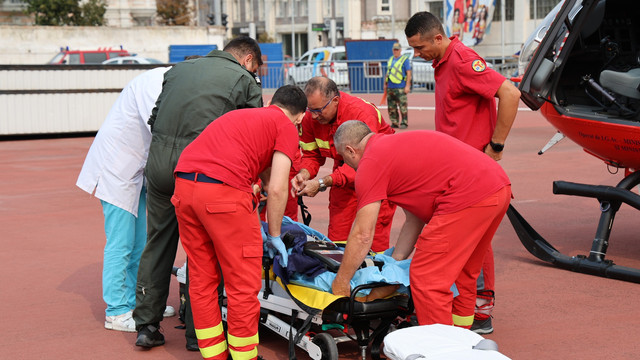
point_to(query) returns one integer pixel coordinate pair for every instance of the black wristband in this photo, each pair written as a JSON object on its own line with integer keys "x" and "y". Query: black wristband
{"x": 496, "y": 147}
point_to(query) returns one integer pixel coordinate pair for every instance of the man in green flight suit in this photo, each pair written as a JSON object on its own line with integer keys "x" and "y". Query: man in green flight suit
{"x": 194, "y": 93}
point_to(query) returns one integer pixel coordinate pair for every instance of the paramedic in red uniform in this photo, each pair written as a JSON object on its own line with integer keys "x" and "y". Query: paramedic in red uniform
{"x": 458, "y": 192}
{"x": 218, "y": 220}
{"x": 327, "y": 109}
{"x": 465, "y": 94}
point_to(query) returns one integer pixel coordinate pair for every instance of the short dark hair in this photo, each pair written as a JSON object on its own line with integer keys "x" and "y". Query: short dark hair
{"x": 423, "y": 23}
{"x": 243, "y": 46}
{"x": 325, "y": 85}
{"x": 290, "y": 97}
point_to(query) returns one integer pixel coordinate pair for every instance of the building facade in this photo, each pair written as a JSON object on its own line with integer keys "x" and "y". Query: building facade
{"x": 301, "y": 25}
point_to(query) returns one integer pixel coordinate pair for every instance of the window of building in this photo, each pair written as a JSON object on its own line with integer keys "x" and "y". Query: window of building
{"x": 236, "y": 11}
{"x": 302, "y": 8}
{"x": 340, "y": 8}
{"x": 248, "y": 11}
{"x": 384, "y": 7}
{"x": 508, "y": 10}
{"x": 542, "y": 8}
{"x": 437, "y": 9}
{"x": 281, "y": 8}
{"x": 326, "y": 8}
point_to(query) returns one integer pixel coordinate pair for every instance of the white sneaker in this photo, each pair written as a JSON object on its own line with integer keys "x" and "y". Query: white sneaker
{"x": 122, "y": 322}
{"x": 169, "y": 311}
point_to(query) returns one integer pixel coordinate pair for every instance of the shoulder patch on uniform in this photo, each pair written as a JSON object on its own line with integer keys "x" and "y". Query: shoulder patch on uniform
{"x": 478, "y": 66}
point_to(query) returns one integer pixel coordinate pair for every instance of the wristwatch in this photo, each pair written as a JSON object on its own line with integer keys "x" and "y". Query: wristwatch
{"x": 323, "y": 187}
{"x": 496, "y": 146}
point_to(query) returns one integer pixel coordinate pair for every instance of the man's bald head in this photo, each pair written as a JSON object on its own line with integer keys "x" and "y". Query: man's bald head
{"x": 350, "y": 133}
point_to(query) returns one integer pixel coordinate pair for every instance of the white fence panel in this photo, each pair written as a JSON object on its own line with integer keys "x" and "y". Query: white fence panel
{"x": 41, "y": 99}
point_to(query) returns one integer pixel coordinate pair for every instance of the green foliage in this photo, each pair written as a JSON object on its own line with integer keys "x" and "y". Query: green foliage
{"x": 54, "y": 12}
{"x": 265, "y": 38}
{"x": 67, "y": 12}
{"x": 93, "y": 13}
{"x": 174, "y": 12}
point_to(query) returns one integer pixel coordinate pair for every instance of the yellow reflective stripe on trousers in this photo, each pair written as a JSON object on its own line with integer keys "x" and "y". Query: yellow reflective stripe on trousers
{"x": 462, "y": 320}
{"x": 214, "y": 350}
{"x": 308, "y": 146}
{"x": 210, "y": 332}
{"x": 238, "y": 342}
{"x": 244, "y": 355}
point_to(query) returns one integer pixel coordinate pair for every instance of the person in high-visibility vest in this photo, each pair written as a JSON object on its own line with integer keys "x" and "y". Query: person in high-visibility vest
{"x": 397, "y": 84}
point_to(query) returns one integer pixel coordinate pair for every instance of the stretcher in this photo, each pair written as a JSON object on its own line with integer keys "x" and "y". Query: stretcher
{"x": 316, "y": 321}
{"x": 313, "y": 319}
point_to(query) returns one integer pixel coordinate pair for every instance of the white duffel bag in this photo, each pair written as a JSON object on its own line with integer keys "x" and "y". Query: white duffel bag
{"x": 439, "y": 342}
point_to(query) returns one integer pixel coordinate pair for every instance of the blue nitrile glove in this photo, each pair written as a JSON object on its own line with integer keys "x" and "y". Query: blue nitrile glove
{"x": 273, "y": 244}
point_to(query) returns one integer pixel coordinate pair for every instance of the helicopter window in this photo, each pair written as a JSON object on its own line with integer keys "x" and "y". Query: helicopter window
{"x": 609, "y": 40}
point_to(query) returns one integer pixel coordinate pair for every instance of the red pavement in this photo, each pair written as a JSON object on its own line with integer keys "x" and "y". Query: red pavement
{"x": 52, "y": 242}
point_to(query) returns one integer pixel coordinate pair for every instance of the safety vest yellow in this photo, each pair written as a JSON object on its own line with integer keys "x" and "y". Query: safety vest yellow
{"x": 394, "y": 73}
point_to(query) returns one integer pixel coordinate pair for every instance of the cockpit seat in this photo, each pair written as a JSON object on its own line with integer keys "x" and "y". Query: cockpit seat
{"x": 623, "y": 83}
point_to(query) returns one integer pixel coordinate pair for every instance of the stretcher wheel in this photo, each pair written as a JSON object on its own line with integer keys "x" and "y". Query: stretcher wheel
{"x": 327, "y": 345}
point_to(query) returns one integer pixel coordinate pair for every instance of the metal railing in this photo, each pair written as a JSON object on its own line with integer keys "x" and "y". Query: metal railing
{"x": 52, "y": 99}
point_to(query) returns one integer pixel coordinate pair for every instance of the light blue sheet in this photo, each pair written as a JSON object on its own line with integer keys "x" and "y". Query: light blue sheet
{"x": 393, "y": 272}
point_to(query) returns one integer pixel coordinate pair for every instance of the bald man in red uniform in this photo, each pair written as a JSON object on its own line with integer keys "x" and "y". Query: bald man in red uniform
{"x": 328, "y": 109}
{"x": 454, "y": 198}
{"x": 218, "y": 220}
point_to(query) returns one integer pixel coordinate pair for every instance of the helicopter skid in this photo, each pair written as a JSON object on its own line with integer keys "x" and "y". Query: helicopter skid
{"x": 610, "y": 197}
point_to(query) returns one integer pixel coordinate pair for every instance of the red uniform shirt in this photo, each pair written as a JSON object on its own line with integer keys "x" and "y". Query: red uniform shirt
{"x": 465, "y": 95}
{"x": 442, "y": 175}
{"x": 316, "y": 140}
{"x": 239, "y": 145}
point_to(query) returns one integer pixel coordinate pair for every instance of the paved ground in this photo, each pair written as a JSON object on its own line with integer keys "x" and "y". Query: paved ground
{"x": 52, "y": 240}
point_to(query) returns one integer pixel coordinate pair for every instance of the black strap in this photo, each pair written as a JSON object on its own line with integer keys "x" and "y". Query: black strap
{"x": 293, "y": 341}
{"x": 306, "y": 215}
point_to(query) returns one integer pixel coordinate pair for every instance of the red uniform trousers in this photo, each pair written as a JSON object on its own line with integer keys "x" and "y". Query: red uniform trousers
{"x": 218, "y": 224}
{"x": 451, "y": 249}
{"x": 342, "y": 212}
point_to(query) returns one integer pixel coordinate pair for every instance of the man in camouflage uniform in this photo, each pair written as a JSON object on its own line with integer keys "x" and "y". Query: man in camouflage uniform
{"x": 397, "y": 84}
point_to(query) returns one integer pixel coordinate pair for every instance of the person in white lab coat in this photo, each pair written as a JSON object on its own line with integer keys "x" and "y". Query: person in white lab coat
{"x": 113, "y": 172}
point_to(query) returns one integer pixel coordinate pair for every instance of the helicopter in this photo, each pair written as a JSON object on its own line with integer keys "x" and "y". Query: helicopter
{"x": 581, "y": 70}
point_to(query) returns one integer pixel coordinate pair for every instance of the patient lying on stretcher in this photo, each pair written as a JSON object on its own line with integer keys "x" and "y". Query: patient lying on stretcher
{"x": 314, "y": 260}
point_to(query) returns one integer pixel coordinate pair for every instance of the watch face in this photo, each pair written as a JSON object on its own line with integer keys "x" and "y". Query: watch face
{"x": 497, "y": 147}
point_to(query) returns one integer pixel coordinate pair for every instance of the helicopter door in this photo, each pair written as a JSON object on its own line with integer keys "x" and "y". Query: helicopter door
{"x": 538, "y": 80}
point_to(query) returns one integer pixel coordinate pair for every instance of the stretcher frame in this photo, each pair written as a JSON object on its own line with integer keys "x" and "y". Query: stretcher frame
{"x": 276, "y": 302}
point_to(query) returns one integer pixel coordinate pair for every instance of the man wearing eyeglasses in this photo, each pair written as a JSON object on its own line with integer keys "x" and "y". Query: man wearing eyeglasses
{"x": 327, "y": 109}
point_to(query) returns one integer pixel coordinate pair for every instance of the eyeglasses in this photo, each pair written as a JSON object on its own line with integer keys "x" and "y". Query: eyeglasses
{"x": 319, "y": 111}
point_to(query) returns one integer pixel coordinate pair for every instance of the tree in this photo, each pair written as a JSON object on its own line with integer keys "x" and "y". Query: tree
{"x": 93, "y": 13}
{"x": 67, "y": 12}
{"x": 54, "y": 12}
{"x": 174, "y": 12}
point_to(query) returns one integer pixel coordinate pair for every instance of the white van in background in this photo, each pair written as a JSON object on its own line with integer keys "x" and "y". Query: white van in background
{"x": 333, "y": 65}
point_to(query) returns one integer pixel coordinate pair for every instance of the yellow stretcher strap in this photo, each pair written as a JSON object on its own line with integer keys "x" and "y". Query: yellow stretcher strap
{"x": 311, "y": 297}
